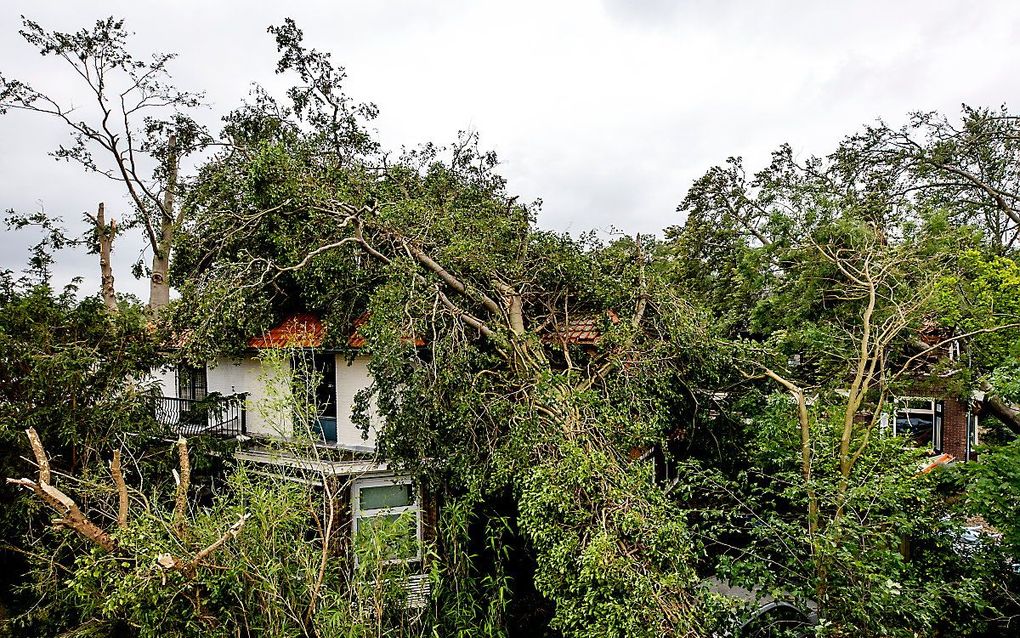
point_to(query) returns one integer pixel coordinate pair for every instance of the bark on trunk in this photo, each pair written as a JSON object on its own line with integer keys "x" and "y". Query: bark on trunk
{"x": 71, "y": 516}
{"x": 105, "y": 235}
{"x": 122, "y": 494}
{"x": 1001, "y": 410}
{"x": 159, "y": 285}
{"x": 159, "y": 289}
{"x": 183, "y": 483}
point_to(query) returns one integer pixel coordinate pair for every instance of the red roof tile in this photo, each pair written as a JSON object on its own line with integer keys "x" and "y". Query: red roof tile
{"x": 357, "y": 340}
{"x": 296, "y": 331}
{"x": 582, "y": 329}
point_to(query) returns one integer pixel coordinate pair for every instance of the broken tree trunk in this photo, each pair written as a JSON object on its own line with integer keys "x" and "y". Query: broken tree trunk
{"x": 183, "y": 483}
{"x": 1001, "y": 410}
{"x": 188, "y": 567}
{"x": 105, "y": 234}
{"x": 122, "y": 494}
{"x": 71, "y": 515}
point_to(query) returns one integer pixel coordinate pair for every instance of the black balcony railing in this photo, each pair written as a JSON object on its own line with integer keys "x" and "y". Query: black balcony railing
{"x": 215, "y": 414}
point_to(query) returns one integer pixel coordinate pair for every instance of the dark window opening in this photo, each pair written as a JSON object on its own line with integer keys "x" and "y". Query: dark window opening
{"x": 192, "y": 383}
{"x": 325, "y": 394}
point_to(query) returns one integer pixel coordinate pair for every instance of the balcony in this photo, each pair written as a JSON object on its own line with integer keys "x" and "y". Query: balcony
{"x": 216, "y": 415}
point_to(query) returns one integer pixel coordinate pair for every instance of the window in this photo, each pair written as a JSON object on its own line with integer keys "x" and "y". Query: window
{"x": 972, "y": 432}
{"x": 325, "y": 394}
{"x": 387, "y": 521}
{"x": 920, "y": 421}
{"x": 191, "y": 383}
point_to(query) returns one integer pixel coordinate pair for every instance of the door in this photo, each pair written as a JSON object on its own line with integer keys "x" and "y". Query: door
{"x": 325, "y": 394}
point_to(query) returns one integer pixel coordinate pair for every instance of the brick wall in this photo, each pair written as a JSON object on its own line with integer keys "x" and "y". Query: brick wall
{"x": 954, "y": 428}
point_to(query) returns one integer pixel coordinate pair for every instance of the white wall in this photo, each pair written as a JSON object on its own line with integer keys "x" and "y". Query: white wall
{"x": 268, "y": 386}
{"x": 267, "y": 383}
{"x": 166, "y": 381}
{"x": 349, "y": 380}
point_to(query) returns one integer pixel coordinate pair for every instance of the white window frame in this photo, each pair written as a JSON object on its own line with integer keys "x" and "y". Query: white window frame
{"x": 973, "y": 425}
{"x": 937, "y": 417}
{"x": 357, "y": 514}
{"x": 954, "y": 350}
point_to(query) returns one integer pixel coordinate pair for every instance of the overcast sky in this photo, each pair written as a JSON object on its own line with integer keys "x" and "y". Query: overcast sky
{"x": 607, "y": 110}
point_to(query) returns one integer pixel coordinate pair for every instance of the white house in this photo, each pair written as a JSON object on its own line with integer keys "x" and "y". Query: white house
{"x": 251, "y": 398}
{"x": 254, "y": 391}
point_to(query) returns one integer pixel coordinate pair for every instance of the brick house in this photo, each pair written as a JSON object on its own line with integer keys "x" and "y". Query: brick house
{"x": 943, "y": 424}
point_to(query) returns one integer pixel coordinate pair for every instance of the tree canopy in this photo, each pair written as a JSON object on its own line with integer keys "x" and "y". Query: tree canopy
{"x": 611, "y": 426}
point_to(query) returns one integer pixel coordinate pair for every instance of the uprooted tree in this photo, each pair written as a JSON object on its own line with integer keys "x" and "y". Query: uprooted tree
{"x": 832, "y": 261}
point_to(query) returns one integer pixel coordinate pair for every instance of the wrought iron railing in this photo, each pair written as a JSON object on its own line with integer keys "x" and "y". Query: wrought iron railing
{"x": 215, "y": 414}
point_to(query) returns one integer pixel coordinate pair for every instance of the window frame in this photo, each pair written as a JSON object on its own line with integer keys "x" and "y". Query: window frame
{"x": 357, "y": 513}
{"x": 192, "y": 372}
{"x": 936, "y": 409}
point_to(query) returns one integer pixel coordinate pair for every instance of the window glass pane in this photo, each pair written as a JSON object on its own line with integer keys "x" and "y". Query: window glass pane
{"x": 184, "y": 383}
{"x": 191, "y": 383}
{"x": 199, "y": 382}
{"x": 917, "y": 426}
{"x": 388, "y": 537}
{"x": 384, "y": 496}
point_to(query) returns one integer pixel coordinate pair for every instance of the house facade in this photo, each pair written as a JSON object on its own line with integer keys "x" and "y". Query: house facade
{"x": 261, "y": 384}
{"x": 290, "y": 402}
{"x": 939, "y": 423}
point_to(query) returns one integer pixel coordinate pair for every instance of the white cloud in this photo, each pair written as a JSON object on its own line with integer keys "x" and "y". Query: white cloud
{"x": 606, "y": 111}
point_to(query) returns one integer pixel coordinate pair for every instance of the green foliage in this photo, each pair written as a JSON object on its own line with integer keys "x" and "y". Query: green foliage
{"x": 73, "y": 372}
{"x": 260, "y": 582}
{"x": 982, "y": 295}
{"x": 473, "y": 588}
{"x": 486, "y": 406}
{"x": 578, "y": 511}
{"x": 66, "y": 361}
{"x": 994, "y": 491}
{"x": 837, "y": 273}
{"x": 77, "y": 375}
{"x": 885, "y": 565}
{"x": 525, "y": 377}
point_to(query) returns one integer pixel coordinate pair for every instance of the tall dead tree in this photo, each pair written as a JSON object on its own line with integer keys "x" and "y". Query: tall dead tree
{"x": 159, "y": 287}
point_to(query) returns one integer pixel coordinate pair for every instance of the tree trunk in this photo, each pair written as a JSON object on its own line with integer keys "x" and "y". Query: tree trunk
{"x": 1001, "y": 410}
{"x": 105, "y": 235}
{"x": 159, "y": 285}
{"x": 159, "y": 289}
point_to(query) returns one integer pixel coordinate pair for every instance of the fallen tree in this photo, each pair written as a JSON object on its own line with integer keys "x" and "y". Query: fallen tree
{"x": 71, "y": 517}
